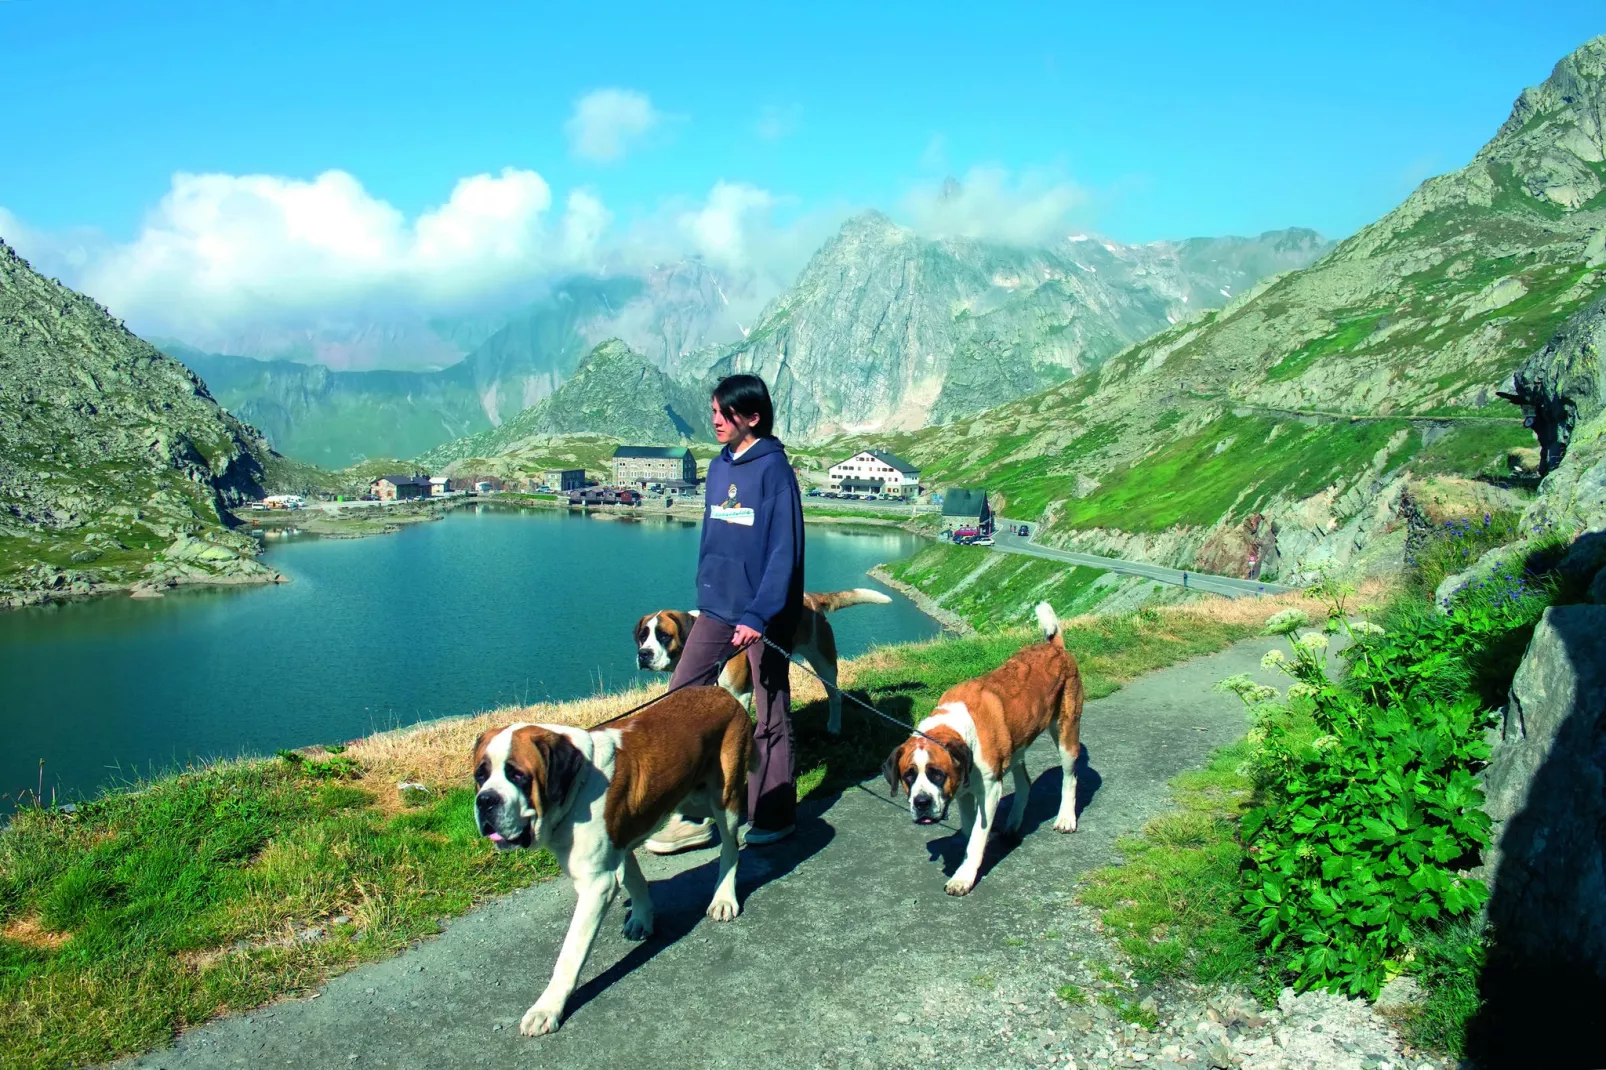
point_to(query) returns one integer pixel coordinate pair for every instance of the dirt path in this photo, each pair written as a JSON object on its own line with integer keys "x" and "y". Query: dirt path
{"x": 847, "y": 952}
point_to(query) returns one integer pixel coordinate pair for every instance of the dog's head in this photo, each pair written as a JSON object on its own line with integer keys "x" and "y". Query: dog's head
{"x": 931, "y": 769}
{"x": 524, "y": 774}
{"x": 660, "y": 637}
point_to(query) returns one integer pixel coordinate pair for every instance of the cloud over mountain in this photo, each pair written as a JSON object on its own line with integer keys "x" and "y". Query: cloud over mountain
{"x": 606, "y": 122}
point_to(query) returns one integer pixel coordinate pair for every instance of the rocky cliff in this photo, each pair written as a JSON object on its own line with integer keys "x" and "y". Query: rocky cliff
{"x": 116, "y": 465}
{"x": 614, "y": 392}
{"x": 888, "y": 330}
{"x": 1313, "y": 399}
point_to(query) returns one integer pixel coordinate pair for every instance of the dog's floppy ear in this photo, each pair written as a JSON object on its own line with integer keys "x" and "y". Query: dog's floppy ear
{"x": 889, "y": 769}
{"x": 485, "y": 737}
{"x": 564, "y": 764}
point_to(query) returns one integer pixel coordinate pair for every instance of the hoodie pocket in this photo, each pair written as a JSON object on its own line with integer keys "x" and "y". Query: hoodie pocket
{"x": 727, "y": 579}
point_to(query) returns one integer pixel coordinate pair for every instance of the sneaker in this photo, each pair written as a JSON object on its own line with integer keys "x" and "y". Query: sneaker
{"x": 759, "y": 837}
{"x": 682, "y": 835}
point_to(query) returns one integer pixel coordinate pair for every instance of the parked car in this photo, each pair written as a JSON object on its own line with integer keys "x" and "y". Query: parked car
{"x": 982, "y": 540}
{"x": 814, "y": 492}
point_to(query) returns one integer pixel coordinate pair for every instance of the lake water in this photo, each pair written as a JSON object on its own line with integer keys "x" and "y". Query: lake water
{"x": 487, "y": 607}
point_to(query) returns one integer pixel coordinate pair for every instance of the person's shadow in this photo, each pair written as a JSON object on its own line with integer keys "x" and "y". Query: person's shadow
{"x": 1042, "y": 806}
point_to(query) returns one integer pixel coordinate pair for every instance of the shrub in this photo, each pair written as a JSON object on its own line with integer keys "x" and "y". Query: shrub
{"x": 1369, "y": 816}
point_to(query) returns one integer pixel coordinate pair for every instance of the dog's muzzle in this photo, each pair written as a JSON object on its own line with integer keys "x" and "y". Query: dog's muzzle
{"x": 644, "y": 659}
{"x": 489, "y": 809}
{"x": 927, "y": 809}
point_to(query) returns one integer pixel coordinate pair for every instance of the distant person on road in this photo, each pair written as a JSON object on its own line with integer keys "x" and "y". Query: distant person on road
{"x": 749, "y": 585}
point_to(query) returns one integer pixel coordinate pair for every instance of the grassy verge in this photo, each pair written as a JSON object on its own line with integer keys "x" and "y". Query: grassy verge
{"x": 1173, "y": 904}
{"x": 222, "y": 888}
{"x": 147, "y": 911}
{"x": 1332, "y": 849}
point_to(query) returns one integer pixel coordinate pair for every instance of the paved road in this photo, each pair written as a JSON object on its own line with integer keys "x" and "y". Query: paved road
{"x": 847, "y": 952}
{"x": 1229, "y": 586}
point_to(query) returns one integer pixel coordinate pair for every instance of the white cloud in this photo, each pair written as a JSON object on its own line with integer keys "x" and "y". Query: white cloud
{"x": 991, "y": 204}
{"x": 606, "y": 121}
{"x": 230, "y": 249}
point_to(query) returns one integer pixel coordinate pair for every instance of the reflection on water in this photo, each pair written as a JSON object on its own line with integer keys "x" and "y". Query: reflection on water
{"x": 487, "y": 607}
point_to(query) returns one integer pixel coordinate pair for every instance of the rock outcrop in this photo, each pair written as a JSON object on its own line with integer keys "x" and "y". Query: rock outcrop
{"x": 111, "y": 453}
{"x": 614, "y": 392}
{"x": 1546, "y": 791}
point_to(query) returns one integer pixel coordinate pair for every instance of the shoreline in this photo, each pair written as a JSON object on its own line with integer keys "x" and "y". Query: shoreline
{"x": 952, "y": 623}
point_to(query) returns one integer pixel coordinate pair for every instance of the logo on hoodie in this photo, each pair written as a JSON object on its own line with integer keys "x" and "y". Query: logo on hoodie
{"x": 731, "y": 512}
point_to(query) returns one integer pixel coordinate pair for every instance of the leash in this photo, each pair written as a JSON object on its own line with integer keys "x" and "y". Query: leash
{"x": 787, "y": 654}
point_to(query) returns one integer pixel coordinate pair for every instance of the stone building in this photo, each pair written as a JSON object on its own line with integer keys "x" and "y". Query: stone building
{"x": 653, "y": 464}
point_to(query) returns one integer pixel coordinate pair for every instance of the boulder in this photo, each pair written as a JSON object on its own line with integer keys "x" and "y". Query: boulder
{"x": 1546, "y": 789}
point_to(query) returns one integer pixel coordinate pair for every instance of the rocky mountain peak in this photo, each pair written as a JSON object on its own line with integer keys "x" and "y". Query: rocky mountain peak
{"x": 1555, "y": 139}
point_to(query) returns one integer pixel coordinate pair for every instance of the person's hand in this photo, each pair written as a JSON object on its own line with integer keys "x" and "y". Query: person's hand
{"x": 744, "y": 636}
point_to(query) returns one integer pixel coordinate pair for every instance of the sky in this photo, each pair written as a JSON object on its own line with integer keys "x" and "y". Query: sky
{"x": 201, "y": 166}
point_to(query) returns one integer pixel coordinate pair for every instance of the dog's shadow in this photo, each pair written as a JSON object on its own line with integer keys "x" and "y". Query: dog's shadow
{"x": 1042, "y": 806}
{"x": 679, "y": 901}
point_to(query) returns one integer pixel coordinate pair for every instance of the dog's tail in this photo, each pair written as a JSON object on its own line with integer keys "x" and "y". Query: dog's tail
{"x": 826, "y": 602}
{"x": 1050, "y": 625}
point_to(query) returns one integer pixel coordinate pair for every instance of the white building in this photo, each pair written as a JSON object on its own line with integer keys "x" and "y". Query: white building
{"x": 875, "y": 472}
{"x": 439, "y": 486}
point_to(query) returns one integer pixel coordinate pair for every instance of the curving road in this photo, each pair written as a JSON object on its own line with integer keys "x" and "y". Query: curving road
{"x": 1227, "y": 586}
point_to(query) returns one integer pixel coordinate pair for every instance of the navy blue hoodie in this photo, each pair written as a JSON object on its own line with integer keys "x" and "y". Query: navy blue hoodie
{"x": 750, "y": 565}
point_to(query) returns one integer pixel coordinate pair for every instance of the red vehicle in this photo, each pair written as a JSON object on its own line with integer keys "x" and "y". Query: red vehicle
{"x": 965, "y": 535}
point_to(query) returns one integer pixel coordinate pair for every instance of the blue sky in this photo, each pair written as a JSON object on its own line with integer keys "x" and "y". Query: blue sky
{"x": 1139, "y": 121}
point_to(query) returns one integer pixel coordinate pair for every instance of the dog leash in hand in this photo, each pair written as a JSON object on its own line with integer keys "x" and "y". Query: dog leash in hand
{"x": 887, "y": 717}
{"x": 773, "y": 645}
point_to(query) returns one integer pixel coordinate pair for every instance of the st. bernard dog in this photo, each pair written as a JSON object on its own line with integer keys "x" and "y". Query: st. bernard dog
{"x": 979, "y": 732}
{"x": 661, "y": 636}
{"x": 592, "y": 798}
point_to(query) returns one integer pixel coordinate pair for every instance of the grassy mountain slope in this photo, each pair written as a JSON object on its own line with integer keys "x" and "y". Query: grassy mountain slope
{"x": 1309, "y": 399}
{"x": 115, "y": 462}
{"x": 614, "y": 394}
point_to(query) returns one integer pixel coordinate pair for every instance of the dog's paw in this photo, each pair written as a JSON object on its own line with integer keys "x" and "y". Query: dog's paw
{"x": 538, "y": 1021}
{"x": 637, "y": 925}
{"x": 1065, "y": 824}
{"x": 833, "y": 724}
{"x": 723, "y": 910}
{"x": 960, "y": 885}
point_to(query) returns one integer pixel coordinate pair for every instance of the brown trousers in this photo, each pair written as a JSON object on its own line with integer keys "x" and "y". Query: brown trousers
{"x": 772, "y": 786}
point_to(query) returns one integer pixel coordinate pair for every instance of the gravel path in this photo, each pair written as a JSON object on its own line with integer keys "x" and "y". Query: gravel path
{"x": 848, "y": 953}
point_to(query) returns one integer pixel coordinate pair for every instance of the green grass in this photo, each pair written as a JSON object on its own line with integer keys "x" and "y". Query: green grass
{"x": 1472, "y": 449}
{"x": 1172, "y": 905}
{"x": 1231, "y": 467}
{"x": 1351, "y": 331}
{"x": 1004, "y": 595}
{"x": 1071, "y": 994}
{"x": 179, "y": 901}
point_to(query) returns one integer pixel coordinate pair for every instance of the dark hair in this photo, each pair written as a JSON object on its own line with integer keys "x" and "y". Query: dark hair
{"x": 746, "y": 394}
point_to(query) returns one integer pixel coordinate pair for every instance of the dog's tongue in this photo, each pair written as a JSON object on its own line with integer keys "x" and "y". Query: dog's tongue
{"x": 495, "y": 837}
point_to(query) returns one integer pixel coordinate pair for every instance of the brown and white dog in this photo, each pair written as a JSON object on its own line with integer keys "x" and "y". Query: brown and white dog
{"x": 592, "y": 798}
{"x": 980, "y": 731}
{"x": 661, "y": 636}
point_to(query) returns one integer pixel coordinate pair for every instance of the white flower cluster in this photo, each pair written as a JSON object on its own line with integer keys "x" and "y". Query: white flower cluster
{"x": 1273, "y": 659}
{"x": 1286, "y": 622}
{"x": 1366, "y": 627}
{"x": 1300, "y": 689}
{"x": 1312, "y": 643}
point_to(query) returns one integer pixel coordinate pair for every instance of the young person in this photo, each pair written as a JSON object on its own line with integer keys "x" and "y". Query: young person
{"x": 749, "y": 585}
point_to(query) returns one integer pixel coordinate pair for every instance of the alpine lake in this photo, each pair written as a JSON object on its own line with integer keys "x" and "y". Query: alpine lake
{"x": 490, "y": 606}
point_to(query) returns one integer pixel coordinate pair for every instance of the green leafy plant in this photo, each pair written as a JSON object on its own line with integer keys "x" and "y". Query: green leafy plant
{"x": 1369, "y": 815}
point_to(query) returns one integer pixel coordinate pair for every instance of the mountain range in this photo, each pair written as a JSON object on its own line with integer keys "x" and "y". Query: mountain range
{"x": 904, "y": 330}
